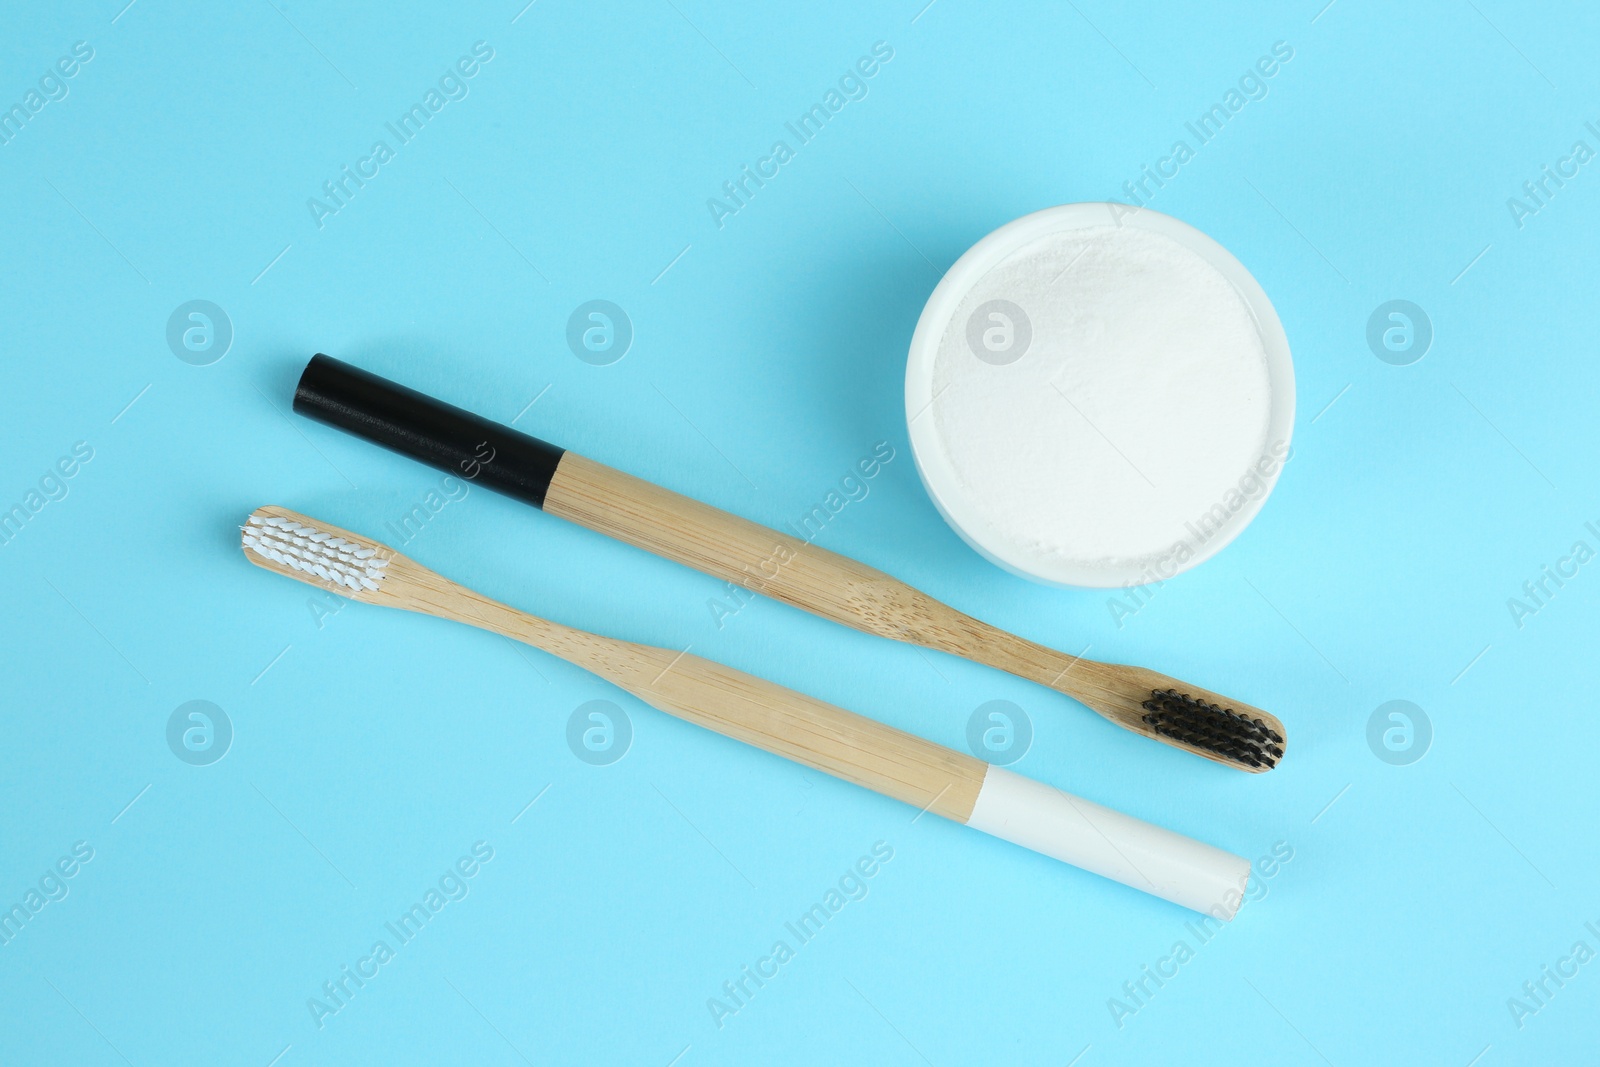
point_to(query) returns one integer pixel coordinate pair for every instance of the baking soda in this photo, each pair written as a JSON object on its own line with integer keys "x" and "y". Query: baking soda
{"x": 1100, "y": 392}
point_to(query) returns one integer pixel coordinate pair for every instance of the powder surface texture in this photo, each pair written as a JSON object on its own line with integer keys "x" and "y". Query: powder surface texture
{"x": 1099, "y": 392}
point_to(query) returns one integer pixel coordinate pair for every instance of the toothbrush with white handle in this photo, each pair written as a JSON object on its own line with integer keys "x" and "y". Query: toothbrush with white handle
{"x": 778, "y": 720}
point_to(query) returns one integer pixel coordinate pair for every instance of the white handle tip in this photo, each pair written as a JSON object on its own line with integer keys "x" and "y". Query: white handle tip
{"x": 1128, "y": 850}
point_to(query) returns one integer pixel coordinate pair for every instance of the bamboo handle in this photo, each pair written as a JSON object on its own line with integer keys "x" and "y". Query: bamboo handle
{"x": 801, "y": 728}
{"x": 729, "y": 702}
{"x": 756, "y": 557}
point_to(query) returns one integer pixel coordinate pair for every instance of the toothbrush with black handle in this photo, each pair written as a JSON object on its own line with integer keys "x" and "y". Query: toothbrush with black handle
{"x": 766, "y": 561}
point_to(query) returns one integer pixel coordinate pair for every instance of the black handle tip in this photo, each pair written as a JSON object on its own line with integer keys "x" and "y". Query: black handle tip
{"x": 425, "y": 429}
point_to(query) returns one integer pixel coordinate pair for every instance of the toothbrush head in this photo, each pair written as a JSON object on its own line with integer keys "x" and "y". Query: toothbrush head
{"x": 1223, "y": 733}
{"x": 315, "y": 553}
{"x": 1177, "y": 713}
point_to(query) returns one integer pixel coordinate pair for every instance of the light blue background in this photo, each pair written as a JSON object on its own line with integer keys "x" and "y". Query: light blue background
{"x": 767, "y": 360}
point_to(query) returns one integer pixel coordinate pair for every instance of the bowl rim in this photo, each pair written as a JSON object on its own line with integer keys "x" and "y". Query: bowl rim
{"x": 938, "y": 476}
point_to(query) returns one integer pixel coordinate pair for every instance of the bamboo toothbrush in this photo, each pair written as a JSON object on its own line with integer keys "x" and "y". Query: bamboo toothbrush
{"x": 766, "y": 561}
{"x": 778, "y": 720}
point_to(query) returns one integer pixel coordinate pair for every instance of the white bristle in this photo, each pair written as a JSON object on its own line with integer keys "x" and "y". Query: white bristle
{"x": 334, "y": 559}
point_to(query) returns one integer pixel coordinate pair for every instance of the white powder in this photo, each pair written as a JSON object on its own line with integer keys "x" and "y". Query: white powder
{"x": 1138, "y": 402}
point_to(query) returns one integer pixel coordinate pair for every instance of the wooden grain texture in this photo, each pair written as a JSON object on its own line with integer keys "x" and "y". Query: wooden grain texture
{"x": 836, "y": 587}
{"x": 757, "y": 712}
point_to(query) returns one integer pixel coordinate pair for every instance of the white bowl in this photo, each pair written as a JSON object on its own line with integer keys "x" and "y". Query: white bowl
{"x": 949, "y": 495}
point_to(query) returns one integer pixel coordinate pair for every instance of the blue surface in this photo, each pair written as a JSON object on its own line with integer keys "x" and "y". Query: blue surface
{"x": 371, "y": 750}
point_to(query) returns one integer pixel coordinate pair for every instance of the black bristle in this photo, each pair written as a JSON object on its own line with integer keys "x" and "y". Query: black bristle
{"x": 1219, "y": 730}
